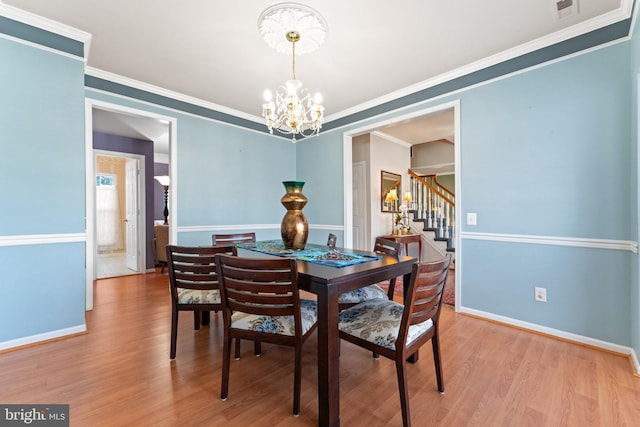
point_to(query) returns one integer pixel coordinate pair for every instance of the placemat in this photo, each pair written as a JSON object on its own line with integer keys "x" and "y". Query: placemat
{"x": 311, "y": 253}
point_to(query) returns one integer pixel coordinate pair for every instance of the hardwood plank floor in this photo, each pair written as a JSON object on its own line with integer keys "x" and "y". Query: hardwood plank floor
{"x": 119, "y": 374}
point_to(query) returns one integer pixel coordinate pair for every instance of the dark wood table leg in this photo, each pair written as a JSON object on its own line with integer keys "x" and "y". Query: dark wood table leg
{"x": 328, "y": 361}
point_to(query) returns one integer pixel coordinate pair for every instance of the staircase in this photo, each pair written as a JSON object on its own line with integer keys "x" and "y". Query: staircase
{"x": 433, "y": 210}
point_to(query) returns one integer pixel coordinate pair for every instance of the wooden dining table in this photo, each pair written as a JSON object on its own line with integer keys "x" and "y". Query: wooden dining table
{"x": 327, "y": 283}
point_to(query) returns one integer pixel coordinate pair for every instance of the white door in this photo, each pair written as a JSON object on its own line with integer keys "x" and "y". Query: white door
{"x": 359, "y": 187}
{"x": 132, "y": 214}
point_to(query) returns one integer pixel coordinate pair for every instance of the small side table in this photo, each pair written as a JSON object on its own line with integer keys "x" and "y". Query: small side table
{"x": 405, "y": 239}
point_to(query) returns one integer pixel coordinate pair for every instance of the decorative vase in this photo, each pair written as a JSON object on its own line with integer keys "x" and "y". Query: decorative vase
{"x": 294, "y": 228}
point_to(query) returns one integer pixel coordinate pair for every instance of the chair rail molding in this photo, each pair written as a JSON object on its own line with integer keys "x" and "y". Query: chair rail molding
{"x": 41, "y": 239}
{"x": 621, "y": 245}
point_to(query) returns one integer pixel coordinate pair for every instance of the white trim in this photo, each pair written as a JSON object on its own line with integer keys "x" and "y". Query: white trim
{"x": 581, "y": 339}
{"x": 457, "y": 260}
{"x": 43, "y": 337}
{"x": 347, "y": 143}
{"x": 142, "y": 197}
{"x": 347, "y": 178}
{"x": 42, "y": 239}
{"x": 623, "y": 12}
{"x": 621, "y": 245}
{"x": 115, "y": 78}
{"x": 391, "y": 138}
{"x": 41, "y": 47}
{"x": 185, "y": 113}
{"x": 326, "y": 227}
{"x": 90, "y": 104}
{"x": 47, "y": 25}
{"x": 200, "y": 228}
{"x": 436, "y": 166}
{"x": 635, "y": 362}
{"x": 452, "y": 93}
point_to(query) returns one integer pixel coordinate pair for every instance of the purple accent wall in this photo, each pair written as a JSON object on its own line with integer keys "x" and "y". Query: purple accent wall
{"x": 123, "y": 144}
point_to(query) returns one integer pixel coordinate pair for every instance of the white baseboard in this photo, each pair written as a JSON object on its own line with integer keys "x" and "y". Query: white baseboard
{"x": 20, "y": 342}
{"x": 635, "y": 363}
{"x": 580, "y": 339}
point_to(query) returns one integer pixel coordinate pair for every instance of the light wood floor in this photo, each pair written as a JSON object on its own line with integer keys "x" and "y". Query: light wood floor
{"x": 119, "y": 374}
{"x": 112, "y": 265}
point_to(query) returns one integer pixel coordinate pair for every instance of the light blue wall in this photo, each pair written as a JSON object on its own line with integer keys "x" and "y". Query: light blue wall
{"x": 42, "y": 143}
{"x": 567, "y": 122}
{"x": 227, "y": 176}
{"x": 43, "y": 288}
{"x": 547, "y": 152}
{"x": 42, "y": 181}
{"x": 319, "y": 165}
{"x": 522, "y": 136}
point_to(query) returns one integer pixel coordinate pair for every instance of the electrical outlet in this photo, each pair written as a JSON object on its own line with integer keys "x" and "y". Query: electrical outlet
{"x": 540, "y": 294}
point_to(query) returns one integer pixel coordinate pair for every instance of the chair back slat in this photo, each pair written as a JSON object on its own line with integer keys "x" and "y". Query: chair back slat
{"x": 225, "y": 239}
{"x": 425, "y": 291}
{"x": 193, "y": 267}
{"x": 386, "y": 247}
{"x": 262, "y": 286}
{"x": 264, "y": 298}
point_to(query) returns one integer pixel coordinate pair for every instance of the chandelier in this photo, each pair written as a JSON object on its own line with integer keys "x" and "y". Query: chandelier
{"x": 293, "y": 111}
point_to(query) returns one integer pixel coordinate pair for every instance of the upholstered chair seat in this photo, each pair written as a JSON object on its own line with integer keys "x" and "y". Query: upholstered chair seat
{"x": 356, "y": 296}
{"x": 198, "y": 296}
{"x": 362, "y": 294}
{"x": 281, "y": 325}
{"x": 378, "y": 321}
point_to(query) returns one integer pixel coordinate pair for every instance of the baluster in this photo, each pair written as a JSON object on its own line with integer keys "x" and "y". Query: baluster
{"x": 441, "y": 213}
{"x": 448, "y": 216}
{"x": 428, "y": 212}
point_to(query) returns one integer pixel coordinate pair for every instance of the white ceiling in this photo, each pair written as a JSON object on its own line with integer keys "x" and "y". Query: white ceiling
{"x": 376, "y": 50}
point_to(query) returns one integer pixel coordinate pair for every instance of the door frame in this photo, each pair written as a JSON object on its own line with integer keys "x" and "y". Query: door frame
{"x": 366, "y": 214}
{"x": 347, "y": 155}
{"x": 141, "y": 196}
{"x": 90, "y": 227}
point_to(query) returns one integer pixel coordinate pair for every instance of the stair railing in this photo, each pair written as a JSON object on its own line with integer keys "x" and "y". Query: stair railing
{"x": 435, "y": 205}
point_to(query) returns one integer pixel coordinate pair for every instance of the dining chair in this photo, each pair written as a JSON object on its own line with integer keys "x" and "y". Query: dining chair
{"x": 233, "y": 239}
{"x": 225, "y": 239}
{"x": 397, "y": 331}
{"x": 356, "y": 296}
{"x": 261, "y": 302}
{"x": 194, "y": 284}
{"x": 332, "y": 240}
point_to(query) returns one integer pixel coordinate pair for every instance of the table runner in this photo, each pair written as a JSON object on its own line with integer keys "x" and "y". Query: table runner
{"x": 311, "y": 253}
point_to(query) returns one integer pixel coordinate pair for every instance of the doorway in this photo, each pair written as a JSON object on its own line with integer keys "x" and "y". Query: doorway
{"x": 154, "y": 129}
{"x": 118, "y": 249}
{"x": 350, "y": 233}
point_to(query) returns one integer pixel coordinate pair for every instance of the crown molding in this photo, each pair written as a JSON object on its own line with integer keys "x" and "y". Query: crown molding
{"x": 622, "y": 13}
{"x": 137, "y": 84}
{"x": 391, "y": 138}
{"x": 47, "y": 25}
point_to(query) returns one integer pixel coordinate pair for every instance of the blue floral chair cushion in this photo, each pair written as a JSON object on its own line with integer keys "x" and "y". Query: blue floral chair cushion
{"x": 362, "y": 294}
{"x": 378, "y": 321}
{"x": 197, "y": 296}
{"x": 282, "y": 325}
